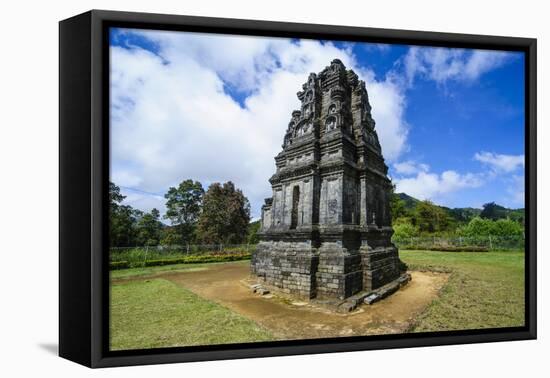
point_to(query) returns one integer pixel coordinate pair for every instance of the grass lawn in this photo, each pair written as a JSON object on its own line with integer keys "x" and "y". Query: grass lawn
{"x": 485, "y": 289}
{"x": 155, "y": 270}
{"x": 156, "y": 313}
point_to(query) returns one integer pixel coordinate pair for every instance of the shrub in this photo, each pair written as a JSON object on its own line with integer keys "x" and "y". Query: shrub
{"x": 115, "y": 265}
{"x": 199, "y": 259}
{"x": 449, "y": 248}
{"x": 486, "y": 227}
{"x": 191, "y": 259}
{"x": 405, "y": 230}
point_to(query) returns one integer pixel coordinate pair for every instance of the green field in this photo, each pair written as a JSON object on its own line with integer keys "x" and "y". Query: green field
{"x": 485, "y": 289}
{"x": 156, "y": 270}
{"x": 157, "y": 313}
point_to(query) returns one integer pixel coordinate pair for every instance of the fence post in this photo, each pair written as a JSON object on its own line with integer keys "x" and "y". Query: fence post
{"x": 490, "y": 243}
{"x": 145, "y": 259}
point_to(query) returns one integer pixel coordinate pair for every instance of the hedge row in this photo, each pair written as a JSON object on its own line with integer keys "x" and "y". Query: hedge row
{"x": 448, "y": 248}
{"x": 115, "y": 265}
{"x": 197, "y": 259}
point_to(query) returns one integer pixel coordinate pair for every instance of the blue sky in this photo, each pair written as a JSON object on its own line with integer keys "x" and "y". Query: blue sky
{"x": 215, "y": 108}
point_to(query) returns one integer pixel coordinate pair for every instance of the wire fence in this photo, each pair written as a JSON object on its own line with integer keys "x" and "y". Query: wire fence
{"x": 472, "y": 243}
{"x": 131, "y": 257}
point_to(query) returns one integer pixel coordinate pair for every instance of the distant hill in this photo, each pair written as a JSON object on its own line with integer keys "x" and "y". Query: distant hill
{"x": 410, "y": 202}
{"x": 465, "y": 214}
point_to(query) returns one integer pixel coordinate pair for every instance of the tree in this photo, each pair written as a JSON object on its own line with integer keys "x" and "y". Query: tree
{"x": 487, "y": 227}
{"x": 122, "y": 219}
{"x": 183, "y": 206}
{"x": 464, "y": 214}
{"x": 493, "y": 211}
{"x": 123, "y": 226}
{"x": 507, "y": 227}
{"x": 149, "y": 228}
{"x": 477, "y": 227}
{"x": 115, "y": 198}
{"x": 253, "y": 229}
{"x": 225, "y": 215}
{"x": 404, "y": 230}
{"x": 430, "y": 218}
{"x": 398, "y": 207}
{"x": 170, "y": 236}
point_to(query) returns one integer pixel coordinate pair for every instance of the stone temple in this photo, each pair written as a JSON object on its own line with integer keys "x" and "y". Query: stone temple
{"x": 326, "y": 231}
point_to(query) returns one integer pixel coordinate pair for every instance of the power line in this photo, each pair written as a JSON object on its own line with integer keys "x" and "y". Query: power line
{"x": 141, "y": 191}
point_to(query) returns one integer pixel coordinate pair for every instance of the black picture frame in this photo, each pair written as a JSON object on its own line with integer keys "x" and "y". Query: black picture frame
{"x": 83, "y": 181}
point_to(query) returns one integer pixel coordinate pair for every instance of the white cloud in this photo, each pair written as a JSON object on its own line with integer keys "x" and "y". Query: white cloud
{"x": 433, "y": 186}
{"x": 516, "y": 190}
{"x": 416, "y": 180}
{"x": 172, "y": 118}
{"x": 410, "y": 167}
{"x": 388, "y": 102}
{"x": 381, "y": 47}
{"x": 499, "y": 162}
{"x": 444, "y": 64}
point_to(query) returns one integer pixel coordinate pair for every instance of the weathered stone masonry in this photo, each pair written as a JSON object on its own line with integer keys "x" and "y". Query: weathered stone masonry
{"x": 326, "y": 231}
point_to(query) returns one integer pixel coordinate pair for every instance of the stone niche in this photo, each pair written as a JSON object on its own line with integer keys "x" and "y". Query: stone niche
{"x": 326, "y": 232}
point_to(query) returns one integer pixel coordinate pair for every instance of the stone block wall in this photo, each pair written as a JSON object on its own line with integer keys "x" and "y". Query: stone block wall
{"x": 380, "y": 266}
{"x": 326, "y": 272}
{"x": 290, "y": 267}
{"x": 339, "y": 274}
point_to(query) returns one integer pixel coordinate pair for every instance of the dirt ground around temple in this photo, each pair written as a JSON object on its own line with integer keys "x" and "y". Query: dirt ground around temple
{"x": 285, "y": 318}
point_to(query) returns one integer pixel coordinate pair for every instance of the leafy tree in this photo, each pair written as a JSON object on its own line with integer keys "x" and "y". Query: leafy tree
{"x": 507, "y": 227}
{"x": 493, "y": 211}
{"x": 115, "y": 198}
{"x": 430, "y": 218}
{"x": 149, "y": 228}
{"x": 122, "y": 220}
{"x": 517, "y": 215}
{"x": 487, "y": 227}
{"x": 477, "y": 227}
{"x": 123, "y": 226}
{"x": 225, "y": 215}
{"x": 170, "y": 236}
{"x": 183, "y": 206}
{"x": 403, "y": 230}
{"x": 253, "y": 229}
{"x": 398, "y": 207}
{"x": 464, "y": 214}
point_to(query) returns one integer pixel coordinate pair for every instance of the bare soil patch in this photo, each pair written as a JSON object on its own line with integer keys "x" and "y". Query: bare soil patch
{"x": 226, "y": 284}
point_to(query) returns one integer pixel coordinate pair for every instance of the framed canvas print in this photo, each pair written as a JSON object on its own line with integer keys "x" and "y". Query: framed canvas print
{"x": 235, "y": 188}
